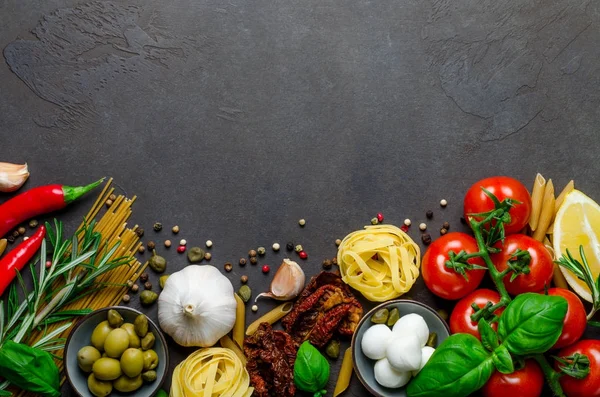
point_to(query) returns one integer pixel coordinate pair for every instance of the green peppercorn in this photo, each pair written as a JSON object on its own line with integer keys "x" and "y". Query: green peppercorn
{"x": 245, "y": 293}
{"x": 33, "y": 223}
{"x": 394, "y": 316}
{"x": 162, "y": 280}
{"x": 261, "y": 251}
{"x": 333, "y": 349}
{"x": 374, "y": 221}
{"x": 148, "y": 297}
{"x": 195, "y": 254}
{"x": 380, "y": 316}
{"x": 298, "y": 248}
{"x": 157, "y": 226}
{"x": 157, "y": 263}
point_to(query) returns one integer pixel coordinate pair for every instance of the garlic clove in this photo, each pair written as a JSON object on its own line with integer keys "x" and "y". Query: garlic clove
{"x": 12, "y": 176}
{"x": 287, "y": 282}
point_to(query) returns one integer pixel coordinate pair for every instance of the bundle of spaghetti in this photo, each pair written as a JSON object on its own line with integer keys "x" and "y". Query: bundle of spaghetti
{"x": 112, "y": 226}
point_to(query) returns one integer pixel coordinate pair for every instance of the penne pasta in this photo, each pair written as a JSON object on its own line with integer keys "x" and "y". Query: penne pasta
{"x": 566, "y": 190}
{"x": 557, "y": 277}
{"x": 547, "y": 214}
{"x": 240, "y": 322}
{"x": 270, "y": 317}
{"x": 537, "y": 197}
{"x": 345, "y": 374}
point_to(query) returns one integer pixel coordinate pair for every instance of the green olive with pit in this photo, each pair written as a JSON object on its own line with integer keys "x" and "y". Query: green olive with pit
{"x": 86, "y": 357}
{"x": 126, "y": 384}
{"x": 150, "y": 360}
{"x": 107, "y": 368}
{"x": 99, "y": 388}
{"x": 114, "y": 318}
{"x": 116, "y": 342}
{"x": 149, "y": 376}
{"x": 148, "y": 341}
{"x": 140, "y": 325}
{"x": 99, "y": 335}
{"x": 132, "y": 362}
{"x": 134, "y": 340}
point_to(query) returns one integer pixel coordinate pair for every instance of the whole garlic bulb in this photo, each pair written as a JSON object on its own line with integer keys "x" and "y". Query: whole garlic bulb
{"x": 197, "y": 306}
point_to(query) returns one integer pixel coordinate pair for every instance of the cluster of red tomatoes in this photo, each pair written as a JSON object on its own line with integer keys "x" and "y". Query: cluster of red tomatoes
{"x": 448, "y": 284}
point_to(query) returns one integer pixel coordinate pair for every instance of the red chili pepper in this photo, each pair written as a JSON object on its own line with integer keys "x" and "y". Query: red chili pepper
{"x": 38, "y": 201}
{"x": 18, "y": 257}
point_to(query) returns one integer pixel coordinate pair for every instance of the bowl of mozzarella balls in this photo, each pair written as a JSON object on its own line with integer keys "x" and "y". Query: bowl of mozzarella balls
{"x": 393, "y": 342}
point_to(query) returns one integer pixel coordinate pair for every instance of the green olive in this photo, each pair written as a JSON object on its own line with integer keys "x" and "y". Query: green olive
{"x": 134, "y": 340}
{"x": 380, "y": 316}
{"x": 149, "y": 376}
{"x": 148, "y": 297}
{"x": 132, "y": 362}
{"x": 150, "y": 360}
{"x": 157, "y": 263}
{"x": 126, "y": 384}
{"x": 107, "y": 369}
{"x": 86, "y": 357}
{"x": 141, "y": 325}
{"x": 148, "y": 341}
{"x": 114, "y": 318}
{"x": 99, "y": 388}
{"x": 116, "y": 343}
{"x": 99, "y": 335}
{"x": 394, "y": 316}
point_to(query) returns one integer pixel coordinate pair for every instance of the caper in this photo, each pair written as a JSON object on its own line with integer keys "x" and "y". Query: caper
{"x": 432, "y": 340}
{"x": 380, "y": 316}
{"x": 333, "y": 348}
{"x": 140, "y": 325}
{"x": 148, "y": 341}
{"x": 126, "y": 384}
{"x": 394, "y": 316}
{"x": 195, "y": 254}
{"x": 162, "y": 280}
{"x": 150, "y": 360}
{"x": 148, "y": 297}
{"x": 157, "y": 263}
{"x": 245, "y": 293}
{"x": 134, "y": 340}
{"x": 149, "y": 376}
{"x": 115, "y": 319}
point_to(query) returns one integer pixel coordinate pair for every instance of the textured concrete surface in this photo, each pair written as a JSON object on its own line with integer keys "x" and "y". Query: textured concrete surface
{"x": 236, "y": 118}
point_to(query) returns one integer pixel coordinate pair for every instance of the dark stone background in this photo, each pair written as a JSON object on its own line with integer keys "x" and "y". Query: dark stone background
{"x": 233, "y": 119}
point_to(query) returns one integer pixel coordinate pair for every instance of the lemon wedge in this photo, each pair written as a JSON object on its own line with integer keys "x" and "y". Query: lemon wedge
{"x": 578, "y": 223}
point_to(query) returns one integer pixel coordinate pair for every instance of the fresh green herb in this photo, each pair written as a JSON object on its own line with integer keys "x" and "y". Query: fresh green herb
{"x": 311, "y": 370}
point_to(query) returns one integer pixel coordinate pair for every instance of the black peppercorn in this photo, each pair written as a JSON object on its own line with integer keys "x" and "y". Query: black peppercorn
{"x": 15, "y": 233}
{"x": 446, "y": 226}
{"x": 443, "y": 231}
{"x": 463, "y": 220}
{"x": 139, "y": 231}
{"x": 144, "y": 277}
{"x": 334, "y": 261}
{"x": 289, "y": 246}
{"x": 327, "y": 264}
{"x": 151, "y": 245}
{"x": 244, "y": 279}
{"x": 157, "y": 226}
{"x": 228, "y": 266}
{"x": 141, "y": 249}
{"x": 252, "y": 253}
{"x": 429, "y": 214}
{"x": 148, "y": 285}
{"x": 242, "y": 261}
{"x": 253, "y": 260}
{"x": 426, "y": 238}
{"x": 10, "y": 239}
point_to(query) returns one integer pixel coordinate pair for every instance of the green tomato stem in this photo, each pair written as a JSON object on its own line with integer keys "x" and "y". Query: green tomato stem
{"x": 550, "y": 374}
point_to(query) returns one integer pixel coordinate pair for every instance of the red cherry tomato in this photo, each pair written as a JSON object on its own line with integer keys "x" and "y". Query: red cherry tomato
{"x": 460, "y": 320}
{"x": 525, "y": 382}
{"x": 502, "y": 187}
{"x": 590, "y": 385}
{"x": 575, "y": 320}
{"x": 443, "y": 281}
{"x": 541, "y": 265}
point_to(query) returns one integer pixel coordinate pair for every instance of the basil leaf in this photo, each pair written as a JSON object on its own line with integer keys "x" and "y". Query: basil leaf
{"x": 489, "y": 338}
{"x": 502, "y": 360}
{"x": 29, "y": 369}
{"x": 532, "y": 323}
{"x": 457, "y": 368}
{"x": 311, "y": 370}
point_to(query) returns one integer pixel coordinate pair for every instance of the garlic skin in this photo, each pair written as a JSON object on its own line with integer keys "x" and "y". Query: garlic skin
{"x": 287, "y": 283}
{"x": 197, "y": 306}
{"x": 12, "y": 176}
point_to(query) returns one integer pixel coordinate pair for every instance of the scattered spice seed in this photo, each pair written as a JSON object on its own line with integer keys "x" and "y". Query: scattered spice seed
{"x": 207, "y": 256}
{"x": 302, "y": 222}
{"x": 429, "y": 214}
{"x": 108, "y": 203}
{"x": 253, "y": 260}
{"x": 265, "y": 269}
{"x": 443, "y": 202}
{"x": 48, "y": 264}
{"x": 327, "y": 264}
{"x": 254, "y": 308}
{"x": 151, "y": 245}
{"x": 25, "y": 238}
{"x": 303, "y": 254}
{"x": 126, "y": 298}
{"x": 228, "y": 266}
{"x": 112, "y": 197}
{"x": 379, "y": 217}
{"x": 242, "y": 261}
{"x": 443, "y": 231}
{"x": 130, "y": 283}
{"x": 252, "y": 253}
{"x": 261, "y": 251}
{"x": 276, "y": 247}
{"x": 15, "y": 233}
{"x": 407, "y": 222}
{"x": 244, "y": 279}
{"x": 140, "y": 232}
{"x": 404, "y": 228}
{"x": 141, "y": 249}
{"x": 10, "y": 239}
{"x": 423, "y": 226}
{"x": 338, "y": 242}
{"x": 181, "y": 249}
{"x": 33, "y": 223}
{"x": 426, "y": 238}
{"x": 157, "y": 226}
{"x": 289, "y": 246}
{"x": 374, "y": 221}
{"x": 334, "y": 261}
{"x": 135, "y": 288}
{"x": 167, "y": 243}
{"x": 446, "y": 225}
{"x": 143, "y": 278}
{"x": 148, "y": 285}
{"x": 182, "y": 241}
{"x": 175, "y": 229}
{"x": 298, "y": 248}
{"x": 208, "y": 243}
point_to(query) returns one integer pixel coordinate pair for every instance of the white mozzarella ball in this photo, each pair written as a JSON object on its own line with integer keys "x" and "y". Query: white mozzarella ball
{"x": 404, "y": 353}
{"x": 412, "y": 324}
{"x": 387, "y": 376}
{"x": 426, "y": 353}
{"x": 375, "y": 340}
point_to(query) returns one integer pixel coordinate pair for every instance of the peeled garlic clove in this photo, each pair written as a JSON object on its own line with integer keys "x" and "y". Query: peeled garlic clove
{"x": 287, "y": 283}
{"x": 12, "y": 176}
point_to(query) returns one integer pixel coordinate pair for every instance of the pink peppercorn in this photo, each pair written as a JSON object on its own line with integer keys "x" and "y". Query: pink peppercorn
{"x": 48, "y": 264}
{"x": 404, "y": 228}
{"x": 303, "y": 254}
{"x": 181, "y": 249}
{"x": 265, "y": 269}
{"x": 379, "y": 217}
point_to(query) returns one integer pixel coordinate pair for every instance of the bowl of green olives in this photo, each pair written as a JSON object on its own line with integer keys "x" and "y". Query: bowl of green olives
{"x": 116, "y": 351}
